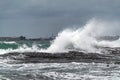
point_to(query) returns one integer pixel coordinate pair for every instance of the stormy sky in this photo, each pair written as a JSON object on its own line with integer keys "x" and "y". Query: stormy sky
{"x": 42, "y": 18}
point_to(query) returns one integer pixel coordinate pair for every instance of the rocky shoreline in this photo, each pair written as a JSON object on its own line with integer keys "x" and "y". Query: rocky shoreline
{"x": 112, "y": 56}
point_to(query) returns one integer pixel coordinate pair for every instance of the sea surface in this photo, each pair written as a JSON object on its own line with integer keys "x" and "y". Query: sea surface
{"x": 51, "y": 71}
{"x": 17, "y": 44}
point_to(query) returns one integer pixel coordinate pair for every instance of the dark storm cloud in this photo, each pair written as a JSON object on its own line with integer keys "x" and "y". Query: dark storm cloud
{"x": 35, "y": 18}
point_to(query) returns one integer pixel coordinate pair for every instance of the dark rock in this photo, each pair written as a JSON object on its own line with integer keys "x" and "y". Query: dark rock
{"x": 113, "y": 55}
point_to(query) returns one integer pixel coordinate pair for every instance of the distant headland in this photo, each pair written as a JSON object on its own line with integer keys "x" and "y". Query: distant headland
{"x": 24, "y": 38}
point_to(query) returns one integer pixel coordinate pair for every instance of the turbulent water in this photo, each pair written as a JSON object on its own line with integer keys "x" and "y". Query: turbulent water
{"x": 51, "y": 71}
{"x": 59, "y": 71}
{"x": 85, "y": 37}
{"x": 82, "y": 39}
{"x": 23, "y": 46}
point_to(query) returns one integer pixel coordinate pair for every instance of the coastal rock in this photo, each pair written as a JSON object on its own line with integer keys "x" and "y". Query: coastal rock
{"x": 113, "y": 55}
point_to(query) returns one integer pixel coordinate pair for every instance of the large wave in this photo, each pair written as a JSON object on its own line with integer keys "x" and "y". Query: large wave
{"x": 84, "y": 38}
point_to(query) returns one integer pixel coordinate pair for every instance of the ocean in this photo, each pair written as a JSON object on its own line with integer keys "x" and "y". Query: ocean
{"x": 17, "y": 44}
{"x": 75, "y": 54}
{"x": 51, "y": 71}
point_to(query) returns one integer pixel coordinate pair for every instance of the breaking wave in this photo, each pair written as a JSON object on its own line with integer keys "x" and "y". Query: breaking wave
{"x": 23, "y": 48}
{"x": 85, "y": 38}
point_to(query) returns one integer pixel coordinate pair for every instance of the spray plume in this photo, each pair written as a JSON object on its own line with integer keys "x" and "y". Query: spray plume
{"x": 84, "y": 38}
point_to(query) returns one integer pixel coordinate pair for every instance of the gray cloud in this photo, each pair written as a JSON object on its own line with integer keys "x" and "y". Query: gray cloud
{"x": 36, "y": 18}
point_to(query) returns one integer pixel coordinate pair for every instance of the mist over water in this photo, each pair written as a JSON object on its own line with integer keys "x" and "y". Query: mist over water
{"x": 85, "y": 37}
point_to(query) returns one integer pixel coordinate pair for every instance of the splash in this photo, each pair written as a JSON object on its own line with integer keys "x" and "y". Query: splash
{"x": 84, "y": 38}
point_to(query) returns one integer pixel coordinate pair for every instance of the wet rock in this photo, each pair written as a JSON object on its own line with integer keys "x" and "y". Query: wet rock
{"x": 113, "y": 55}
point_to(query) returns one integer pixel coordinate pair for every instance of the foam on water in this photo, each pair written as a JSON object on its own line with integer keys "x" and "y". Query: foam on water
{"x": 84, "y": 38}
{"x": 10, "y": 42}
{"x": 81, "y": 39}
{"x": 116, "y": 43}
{"x": 20, "y": 49}
{"x": 61, "y": 71}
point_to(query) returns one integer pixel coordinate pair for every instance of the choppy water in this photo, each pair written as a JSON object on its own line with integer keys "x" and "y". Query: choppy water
{"x": 22, "y": 46}
{"x": 17, "y": 44}
{"x": 52, "y": 71}
{"x": 59, "y": 71}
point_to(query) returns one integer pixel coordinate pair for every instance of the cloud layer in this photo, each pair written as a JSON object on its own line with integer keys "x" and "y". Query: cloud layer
{"x": 42, "y": 18}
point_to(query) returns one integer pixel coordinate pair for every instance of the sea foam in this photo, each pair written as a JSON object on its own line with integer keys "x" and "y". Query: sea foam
{"x": 80, "y": 39}
{"x": 84, "y": 38}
